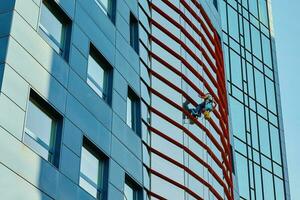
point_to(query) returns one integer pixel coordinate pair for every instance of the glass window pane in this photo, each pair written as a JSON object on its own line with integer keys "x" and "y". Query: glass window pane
{"x": 52, "y": 27}
{"x": 271, "y": 95}
{"x": 266, "y": 45}
{"x": 42, "y": 131}
{"x": 256, "y": 44}
{"x": 264, "y": 136}
{"x": 279, "y": 188}
{"x": 129, "y": 112}
{"x": 268, "y": 185}
{"x": 258, "y": 185}
{"x": 90, "y": 167}
{"x": 238, "y": 119}
{"x": 128, "y": 192}
{"x": 263, "y": 12}
{"x": 253, "y": 7}
{"x": 260, "y": 87}
{"x": 236, "y": 70}
{"x": 276, "y": 151}
{"x": 134, "y": 36}
{"x": 254, "y": 134}
{"x": 233, "y": 23}
{"x": 39, "y": 125}
{"x": 104, "y": 5}
{"x": 96, "y": 76}
{"x": 243, "y": 178}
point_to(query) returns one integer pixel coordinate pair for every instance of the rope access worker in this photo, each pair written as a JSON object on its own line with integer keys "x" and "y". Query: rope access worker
{"x": 206, "y": 107}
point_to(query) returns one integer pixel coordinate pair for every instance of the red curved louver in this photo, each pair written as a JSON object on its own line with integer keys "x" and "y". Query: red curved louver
{"x": 199, "y": 66}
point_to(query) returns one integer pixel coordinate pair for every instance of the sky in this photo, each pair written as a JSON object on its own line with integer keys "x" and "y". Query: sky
{"x": 286, "y": 14}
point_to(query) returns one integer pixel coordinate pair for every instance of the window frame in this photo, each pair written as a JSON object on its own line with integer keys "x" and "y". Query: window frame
{"x": 62, "y": 49}
{"x": 137, "y": 189}
{"x": 102, "y": 159}
{"x": 109, "y": 11}
{"x": 106, "y": 90}
{"x": 134, "y": 32}
{"x": 135, "y": 111}
{"x": 56, "y": 129}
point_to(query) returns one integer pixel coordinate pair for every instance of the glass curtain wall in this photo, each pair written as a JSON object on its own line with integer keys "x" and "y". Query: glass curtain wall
{"x": 253, "y": 104}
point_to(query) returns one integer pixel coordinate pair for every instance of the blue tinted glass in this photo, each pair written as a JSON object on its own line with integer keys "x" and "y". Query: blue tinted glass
{"x": 96, "y": 76}
{"x": 264, "y": 136}
{"x": 256, "y": 44}
{"x": 129, "y": 112}
{"x": 91, "y": 172}
{"x": 268, "y": 185}
{"x": 236, "y": 69}
{"x": 266, "y": 45}
{"x": 242, "y": 166}
{"x": 233, "y": 23}
{"x": 260, "y": 87}
{"x": 238, "y": 122}
{"x": 52, "y": 27}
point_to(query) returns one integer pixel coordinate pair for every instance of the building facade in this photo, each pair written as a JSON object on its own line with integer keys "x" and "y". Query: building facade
{"x": 188, "y": 158}
{"x": 70, "y": 86}
{"x": 95, "y": 99}
{"x": 253, "y": 86}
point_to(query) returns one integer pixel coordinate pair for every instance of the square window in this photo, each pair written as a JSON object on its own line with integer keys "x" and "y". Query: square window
{"x": 133, "y": 110}
{"x": 93, "y": 170}
{"x": 134, "y": 33}
{"x": 132, "y": 190}
{"x": 55, "y": 27}
{"x": 99, "y": 74}
{"x": 43, "y": 129}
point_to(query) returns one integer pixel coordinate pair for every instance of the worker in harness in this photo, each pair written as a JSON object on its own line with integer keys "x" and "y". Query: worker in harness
{"x": 206, "y": 107}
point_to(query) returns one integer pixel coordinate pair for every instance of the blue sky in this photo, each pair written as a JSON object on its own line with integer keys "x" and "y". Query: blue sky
{"x": 287, "y": 35}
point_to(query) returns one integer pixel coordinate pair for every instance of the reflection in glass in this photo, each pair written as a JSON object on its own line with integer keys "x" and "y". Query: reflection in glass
{"x": 41, "y": 128}
{"x": 91, "y": 172}
{"x": 52, "y": 27}
{"x": 96, "y": 76}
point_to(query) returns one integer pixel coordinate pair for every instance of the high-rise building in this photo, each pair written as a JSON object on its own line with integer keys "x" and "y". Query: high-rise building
{"x": 134, "y": 100}
{"x": 254, "y": 101}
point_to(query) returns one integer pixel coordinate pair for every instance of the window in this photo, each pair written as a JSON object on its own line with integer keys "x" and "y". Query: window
{"x": 99, "y": 74}
{"x": 107, "y": 6}
{"x": 43, "y": 128}
{"x": 134, "y": 33}
{"x": 215, "y": 2}
{"x": 131, "y": 190}
{"x": 55, "y": 27}
{"x": 133, "y": 110}
{"x": 93, "y": 170}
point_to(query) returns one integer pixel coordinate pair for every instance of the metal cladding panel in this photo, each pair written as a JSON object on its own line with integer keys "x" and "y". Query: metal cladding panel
{"x": 187, "y": 157}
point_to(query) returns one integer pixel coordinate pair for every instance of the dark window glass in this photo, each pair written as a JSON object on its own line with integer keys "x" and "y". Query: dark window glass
{"x": 55, "y": 27}
{"x": 131, "y": 190}
{"x": 133, "y": 110}
{"x": 99, "y": 74}
{"x": 134, "y": 33}
{"x": 215, "y": 2}
{"x": 43, "y": 129}
{"x": 93, "y": 170}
